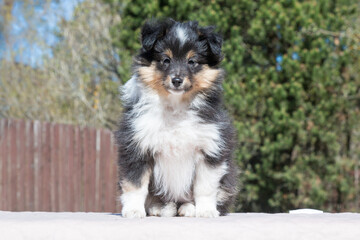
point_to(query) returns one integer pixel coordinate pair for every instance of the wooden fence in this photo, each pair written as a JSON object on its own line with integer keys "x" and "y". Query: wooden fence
{"x": 56, "y": 167}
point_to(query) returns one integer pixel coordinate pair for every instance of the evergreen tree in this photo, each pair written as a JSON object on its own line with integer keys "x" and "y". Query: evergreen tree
{"x": 291, "y": 88}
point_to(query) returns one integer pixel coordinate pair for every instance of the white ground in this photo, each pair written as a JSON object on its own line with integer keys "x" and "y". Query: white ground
{"x": 244, "y": 226}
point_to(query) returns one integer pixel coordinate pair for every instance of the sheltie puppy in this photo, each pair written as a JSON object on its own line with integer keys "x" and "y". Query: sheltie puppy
{"x": 175, "y": 140}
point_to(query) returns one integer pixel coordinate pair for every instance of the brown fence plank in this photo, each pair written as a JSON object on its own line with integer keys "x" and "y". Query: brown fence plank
{"x": 63, "y": 165}
{"x": 85, "y": 167}
{"x": 92, "y": 185}
{"x": 97, "y": 171}
{"x": 3, "y": 160}
{"x": 83, "y": 162}
{"x": 78, "y": 170}
{"x": 20, "y": 146}
{"x": 71, "y": 167}
{"x": 29, "y": 192}
{"x": 60, "y": 166}
{"x": 104, "y": 171}
{"x": 114, "y": 175}
{"x": 52, "y": 168}
{"x": 56, "y": 171}
{"x": 12, "y": 165}
{"x": 90, "y": 167}
{"x": 37, "y": 163}
{"x": 45, "y": 168}
{"x": 2, "y": 133}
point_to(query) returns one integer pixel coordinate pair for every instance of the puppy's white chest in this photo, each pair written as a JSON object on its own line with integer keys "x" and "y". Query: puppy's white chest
{"x": 175, "y": 159}
{"x": 162, "y": 130}
{"x": 178, "y": 135}
{"x": 177, "y": 140}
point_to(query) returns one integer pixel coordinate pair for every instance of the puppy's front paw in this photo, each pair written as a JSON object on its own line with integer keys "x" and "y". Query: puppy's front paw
{"x": 207, "y": 213}
{"x": 187, "y": 210}
{"x": 133, "y": 212}
{"x": 206, "y": 207}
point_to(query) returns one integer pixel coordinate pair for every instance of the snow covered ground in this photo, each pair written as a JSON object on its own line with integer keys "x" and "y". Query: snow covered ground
{"x": 246, "y": 226}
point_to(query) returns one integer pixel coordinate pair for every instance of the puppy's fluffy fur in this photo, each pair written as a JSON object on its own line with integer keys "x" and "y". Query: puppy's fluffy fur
{"x": 175, "y": 139}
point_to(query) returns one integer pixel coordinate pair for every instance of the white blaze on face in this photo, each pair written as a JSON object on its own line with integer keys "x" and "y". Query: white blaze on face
{"x": 181, "y": 35}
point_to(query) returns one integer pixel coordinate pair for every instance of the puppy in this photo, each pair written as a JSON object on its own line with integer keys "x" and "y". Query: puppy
{"x": 175, "y": 140}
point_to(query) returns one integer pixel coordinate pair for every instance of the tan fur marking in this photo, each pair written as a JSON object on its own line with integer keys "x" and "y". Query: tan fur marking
{"x": 205, "y": 78}
{"x": 190, "y": 54}
{"x": 169, "y": 53}
{"x": 202, "y": 80}
{"x": 187, "y": 82}
{"x": 152, "y": 78}
{"x": 127, "y": 186}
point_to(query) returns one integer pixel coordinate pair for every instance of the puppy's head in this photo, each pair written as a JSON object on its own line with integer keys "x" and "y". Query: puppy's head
{"x": 179, "y": 58}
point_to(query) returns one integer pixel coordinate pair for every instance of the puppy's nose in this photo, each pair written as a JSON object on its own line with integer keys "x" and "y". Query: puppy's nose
{"x": 176, "y": 81}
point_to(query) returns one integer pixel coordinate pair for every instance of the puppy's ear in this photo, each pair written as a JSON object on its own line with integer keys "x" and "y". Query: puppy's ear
{"x": 214, "y": 42}
{"x": 194, "y": 25}
{"x": 154, "y": 30}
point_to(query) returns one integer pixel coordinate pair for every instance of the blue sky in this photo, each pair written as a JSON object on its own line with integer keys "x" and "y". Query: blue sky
{"x": 44, "y": 24}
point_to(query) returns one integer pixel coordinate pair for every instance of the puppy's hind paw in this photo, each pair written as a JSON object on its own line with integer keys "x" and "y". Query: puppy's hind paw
{"x": 169, "y": 210}
{"x": 154, "y": 210}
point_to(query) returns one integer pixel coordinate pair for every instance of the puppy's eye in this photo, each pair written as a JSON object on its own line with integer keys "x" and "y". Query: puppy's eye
{"x": 191, "y": 62}
{"x": 166, "y": 61}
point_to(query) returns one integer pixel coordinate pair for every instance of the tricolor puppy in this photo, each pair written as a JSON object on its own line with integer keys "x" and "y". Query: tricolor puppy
{"x": 175, "y": 139}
